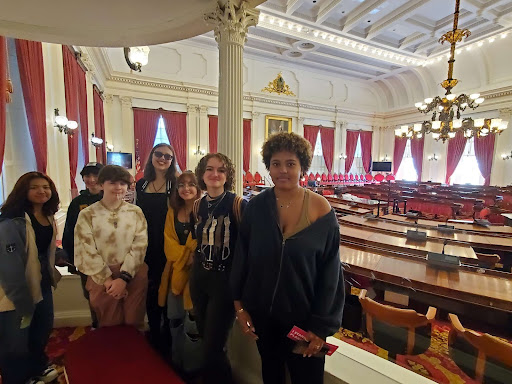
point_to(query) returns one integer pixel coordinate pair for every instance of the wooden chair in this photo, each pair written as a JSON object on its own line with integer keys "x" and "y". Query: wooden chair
{"x": 484, "y": 357}
{"x": 395, "y": 329}
{"x": 488, "y": 260}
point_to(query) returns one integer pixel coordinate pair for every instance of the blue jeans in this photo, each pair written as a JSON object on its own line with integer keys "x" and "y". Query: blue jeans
{"x": 22, "y": 351}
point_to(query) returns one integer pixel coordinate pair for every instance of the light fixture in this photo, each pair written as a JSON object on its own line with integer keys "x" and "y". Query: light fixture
{"x": 446, "y": 117}
{"x": 385, "y": 158}
{"x": 110, "y": 147}
{"x": 64, "y": 125}
{"x": 199, "y": 151}
{"x": 433, "y": 158}
{"x": 136, "y": 57}
{"x": 96, "y": 141}
{"x": 342, "y": 156}
{"x": 504, "y": 156}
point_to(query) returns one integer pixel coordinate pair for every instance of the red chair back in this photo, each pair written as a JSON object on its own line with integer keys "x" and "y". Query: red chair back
{"x": 257, "y": 178}
{"x": 347, "y": 177}
{"x": 311, "y": 176}
{"x": 379, "y": 177}
{"x": 390, "y": 177}
{"x": 334, "y": 177}
{"x": 249, "y": 177}
{"x": 351, "y": 177}
{"x": 324, "y": 177}
{"x": 368, "y": 177}
{"x": 357, "y": 177}
{"x": 329, "y": 177}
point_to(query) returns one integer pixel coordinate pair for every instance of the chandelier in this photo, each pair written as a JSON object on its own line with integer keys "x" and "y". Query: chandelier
{"x": 446, "y": 117}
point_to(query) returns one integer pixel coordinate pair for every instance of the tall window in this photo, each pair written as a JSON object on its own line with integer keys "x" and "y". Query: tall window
{"x": 161, "y": 135}
{"x": 318, "y": 162}
{"x": 467, "y": 171}
{"x": 357, "y": 166}
{"x": 407, "y": 171}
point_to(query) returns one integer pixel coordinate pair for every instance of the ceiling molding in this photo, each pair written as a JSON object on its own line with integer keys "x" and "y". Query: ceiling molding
{"x": 325, "y": 11}
{"x": 360, "y": 12}
{"x": 397, "y": 15}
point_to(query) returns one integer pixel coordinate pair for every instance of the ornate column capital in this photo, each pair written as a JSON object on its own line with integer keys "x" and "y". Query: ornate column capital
{"x": 108, "y": 98}
{"x": 203, "y": 110}
{"x": 231, "y": 22}
{"x": 255, "y": 115}
{"x": 300, "y": 120}
{"x": 192, "y": 108}
{"x": 126, "y": 101}
{"x": 339, "y": 124}
{"x": 505, "y": 113}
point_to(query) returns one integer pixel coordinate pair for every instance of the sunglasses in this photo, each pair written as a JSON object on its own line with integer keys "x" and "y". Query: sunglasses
{"x": 166, "y": 156}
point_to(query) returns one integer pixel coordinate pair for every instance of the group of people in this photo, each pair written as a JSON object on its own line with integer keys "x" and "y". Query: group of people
{"x": 189, "y": 253}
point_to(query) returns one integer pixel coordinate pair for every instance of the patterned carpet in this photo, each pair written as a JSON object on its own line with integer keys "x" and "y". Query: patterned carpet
{"x": 434, "y": 364}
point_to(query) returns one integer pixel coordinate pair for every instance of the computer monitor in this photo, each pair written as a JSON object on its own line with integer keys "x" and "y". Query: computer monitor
{"x": 381, "y": 166}
{"x": 122, "y": 159}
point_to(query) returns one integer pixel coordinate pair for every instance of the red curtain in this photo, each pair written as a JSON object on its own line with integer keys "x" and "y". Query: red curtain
{"x": 366, "y": 149}
{"x": 247, "y": 144}
{"x": 213, "y": 133}
{"x": 350, "y": 150}
{"x": 145, "y": 125}
{"x": 327, "y": 137}
{"x": 417, "y": 155}
{"x": 398, "y": 152}
{"x": 484, "y": 152}
{"x": 310, "y": 134}
{"x": 99, "y": 126}
{"x": 3, "y": 96}
{"x": 82, "y": 111}
{"x": 71, "y": 87}
{"x": 30, "y": 64}
{"x": 176, "y": 129}
{"x": 455, "y": 151}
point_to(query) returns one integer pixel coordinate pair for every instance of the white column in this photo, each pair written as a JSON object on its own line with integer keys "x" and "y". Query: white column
{"x": 108, "y": 116}
{"x": 231, "y": 20}
{"x": 192, "y": 139}
{"x": 90, "y": 114}
{"x": 128, "y": 136}
{"x": 204, "y": 129}
{"x": 257, "y": 139}
{"x": 501, "y": 171}
{"x": 300, "y": 127}
{"x": 337, "y": 147}
{"x": 343, "y": 145}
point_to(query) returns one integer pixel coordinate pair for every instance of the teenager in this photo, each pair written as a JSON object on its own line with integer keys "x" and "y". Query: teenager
{"x": 180, "y": 245}
{"x": 92, "y": 194}
{"x": 218, "y": 217}
{"x": 286, "y": 270}
{"x": 110, "y": 244}
{"x": 153, "y": 194}
{"x": 27, "y": 274}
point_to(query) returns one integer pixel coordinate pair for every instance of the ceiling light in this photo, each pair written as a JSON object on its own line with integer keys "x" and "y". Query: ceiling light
{"x": 136, "y": 57}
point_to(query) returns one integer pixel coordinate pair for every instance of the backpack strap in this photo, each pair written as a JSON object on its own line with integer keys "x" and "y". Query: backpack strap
{"x": 237, "y": 209}
{"x": 195, "y": 209}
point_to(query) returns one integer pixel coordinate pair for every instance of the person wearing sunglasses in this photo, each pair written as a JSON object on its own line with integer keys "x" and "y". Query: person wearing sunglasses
{"x": 152, "y": 195}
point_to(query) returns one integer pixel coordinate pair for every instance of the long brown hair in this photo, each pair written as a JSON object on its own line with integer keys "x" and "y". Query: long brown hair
{"x": 149, "y": 169}
{"x": 17, "y": 202}
{"x": 228, "y": 164}
{"x": 177, "y": 201}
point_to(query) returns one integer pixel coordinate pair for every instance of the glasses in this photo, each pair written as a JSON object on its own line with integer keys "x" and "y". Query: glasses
{"x": 184, "y": 185}
{"x": 166, "y": 156}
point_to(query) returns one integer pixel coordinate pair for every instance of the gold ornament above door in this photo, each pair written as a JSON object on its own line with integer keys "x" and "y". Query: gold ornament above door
{"x": 279, "y": 86}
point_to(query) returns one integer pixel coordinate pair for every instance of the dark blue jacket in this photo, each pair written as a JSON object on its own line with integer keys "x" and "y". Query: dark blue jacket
{"x": 298, "y": 280}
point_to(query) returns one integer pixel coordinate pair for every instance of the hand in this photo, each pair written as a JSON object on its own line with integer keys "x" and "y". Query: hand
{"x": 108, "y": 283}
{"x": 245, "y": 322}
{"x": 117, "y": 289}
{"x": 25, "y": 321}
{"x": 315, "y": 344}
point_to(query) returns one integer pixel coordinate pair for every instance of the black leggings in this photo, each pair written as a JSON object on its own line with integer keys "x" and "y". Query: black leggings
{"x": 213, "y": 307}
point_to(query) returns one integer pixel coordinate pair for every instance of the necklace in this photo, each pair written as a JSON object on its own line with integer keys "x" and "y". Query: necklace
{"x": 284, "y": 205}
{"x": 157, "y": 190}
{"x": 213, "y": 204}
{"x": 113, "y": 218}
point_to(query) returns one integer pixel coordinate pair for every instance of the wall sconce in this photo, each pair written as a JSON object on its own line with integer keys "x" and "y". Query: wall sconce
{"x": 64, "y": 125}
{"x": 504, "y": 156}
{"x": 136, "y": 57}
{"x": 110, "y": 147}
{"x": 96, "y": 141}
{"x": 342, "y": 156}
{"x": 199, "y": 151}
{"x": 433, "y": 158}
{"x": 385, "y": 158}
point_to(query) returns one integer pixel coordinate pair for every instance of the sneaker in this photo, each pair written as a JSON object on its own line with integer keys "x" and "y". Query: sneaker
{"x": 48, "y": 375}
{"x": 34, "y": 380}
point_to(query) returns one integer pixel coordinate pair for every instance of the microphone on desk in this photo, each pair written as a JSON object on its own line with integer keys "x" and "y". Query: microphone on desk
{"x": 444, "y": 244}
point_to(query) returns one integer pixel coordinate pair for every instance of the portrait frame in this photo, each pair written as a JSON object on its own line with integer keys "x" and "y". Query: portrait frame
{"x": 273, "y": 122}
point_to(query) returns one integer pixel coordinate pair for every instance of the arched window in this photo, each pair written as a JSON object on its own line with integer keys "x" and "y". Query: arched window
{"x": 467, "y": 171}
{"x": 357, "y": 166}
{"x": 161, "y": 135}
{"x": 407, "y": 171}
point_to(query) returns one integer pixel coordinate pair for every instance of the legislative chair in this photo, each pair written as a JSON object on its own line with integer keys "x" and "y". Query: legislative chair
{"x": 347, "y": 178}
{"x": 368, "y": 178}
{"x": 399, "y": 331}
{"x": 250, "y": 179}
{"x": 258, "y": 180}
{"x": 118, "y": 354}
{"x": 330, "y": 179}
{"x": 324, "y": 179}
{"x": 379, "y": 177}
{"x": 390, "y": 177}
{"x": 335, "y": 179}
{"x": 483, "y": 357}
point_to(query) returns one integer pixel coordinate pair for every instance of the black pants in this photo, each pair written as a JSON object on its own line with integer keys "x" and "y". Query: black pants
{"x": 159, "y": 333}
{"x": 215, "y": 313}
{"x": 94, "y": 318}
{"x": 276, "y": 352}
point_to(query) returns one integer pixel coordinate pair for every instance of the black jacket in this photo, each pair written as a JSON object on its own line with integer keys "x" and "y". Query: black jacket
{"x": 298, "y": 280}
{"x": 83, "y": 200}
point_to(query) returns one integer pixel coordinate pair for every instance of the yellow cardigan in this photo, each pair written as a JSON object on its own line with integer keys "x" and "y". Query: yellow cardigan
{"x": 176, "y": 272}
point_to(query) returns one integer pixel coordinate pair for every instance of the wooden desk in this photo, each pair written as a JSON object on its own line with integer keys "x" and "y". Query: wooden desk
{"x": 493, "y": 230}
{"x": 474, "y": 239}
{"x": 508, "y": 218}
{"x": 397, "y": 242}
{"x": 344, "y": 208}
{"x": 368, "y": 204}
{"x": 490, "y": 289}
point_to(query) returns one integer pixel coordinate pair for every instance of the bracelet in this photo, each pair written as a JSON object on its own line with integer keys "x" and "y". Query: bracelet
{"x": 240, "y": 310}
{"x": 125, "y": 276}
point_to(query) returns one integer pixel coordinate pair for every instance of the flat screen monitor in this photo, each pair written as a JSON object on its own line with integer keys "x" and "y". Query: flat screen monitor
{"x": 120, "y": 158}
{"x": 381, "y": 166}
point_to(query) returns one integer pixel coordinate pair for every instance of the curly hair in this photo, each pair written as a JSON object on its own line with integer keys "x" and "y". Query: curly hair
{"x": 230, "y": 170}
{"x": 17, "y": 202}
{"x": 290, "y": 142}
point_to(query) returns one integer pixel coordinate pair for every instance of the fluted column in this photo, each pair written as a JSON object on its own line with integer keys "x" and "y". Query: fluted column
{"x": 231, "y": 20}
{"x": 127, "y": 139}
{"x": 257, "y": 136}
{"x": 337, "y": 147}
{"x": 192, "y": 136}
{"x": 90, "y": 114}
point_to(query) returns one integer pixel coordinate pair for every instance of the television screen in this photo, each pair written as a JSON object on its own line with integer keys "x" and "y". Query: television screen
{"x": 381, "y": 166}
{"x": 120, "y": 158}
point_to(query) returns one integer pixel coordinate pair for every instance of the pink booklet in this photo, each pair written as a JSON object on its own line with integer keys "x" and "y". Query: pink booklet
{"x": 299, "y": 335}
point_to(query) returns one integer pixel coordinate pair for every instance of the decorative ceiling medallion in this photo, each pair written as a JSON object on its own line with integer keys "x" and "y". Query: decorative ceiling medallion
{"x": 278, "y": 86}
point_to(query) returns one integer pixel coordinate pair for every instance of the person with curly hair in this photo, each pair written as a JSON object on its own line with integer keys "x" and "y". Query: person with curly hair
{"x": 218, "y": 215}
{"x": 286, "y": 268}
{"x": 27, "y": 273}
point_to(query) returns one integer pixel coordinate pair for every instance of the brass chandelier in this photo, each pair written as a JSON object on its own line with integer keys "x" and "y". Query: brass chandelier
{"x": 446, "y": 119}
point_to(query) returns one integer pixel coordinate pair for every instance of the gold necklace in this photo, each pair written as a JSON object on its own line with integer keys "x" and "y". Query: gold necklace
{"x": 157, "y": 190}
{"x": 113, "y": 212}
{"x": 284, "y": 205}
